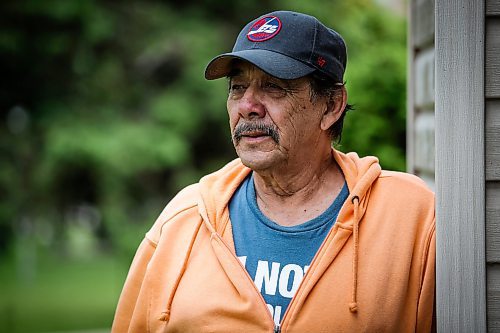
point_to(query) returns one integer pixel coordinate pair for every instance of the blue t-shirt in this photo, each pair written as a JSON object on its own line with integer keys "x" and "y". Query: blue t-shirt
{"x": 276, "y": 257}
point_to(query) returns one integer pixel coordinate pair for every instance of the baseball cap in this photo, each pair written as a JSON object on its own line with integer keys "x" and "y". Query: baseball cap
{"x": 286, "y": 45}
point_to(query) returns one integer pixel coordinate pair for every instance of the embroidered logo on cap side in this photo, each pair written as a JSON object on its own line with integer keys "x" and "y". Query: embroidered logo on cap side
{"x": 264, "y": 29}
{"x": 321, "y": 61}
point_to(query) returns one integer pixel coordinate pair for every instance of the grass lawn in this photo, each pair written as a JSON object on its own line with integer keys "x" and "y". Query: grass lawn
{"x": 60, "y": 294}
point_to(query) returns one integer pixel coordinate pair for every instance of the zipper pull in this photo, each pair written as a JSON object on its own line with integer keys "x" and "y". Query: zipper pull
{"x": 277, "y": 328}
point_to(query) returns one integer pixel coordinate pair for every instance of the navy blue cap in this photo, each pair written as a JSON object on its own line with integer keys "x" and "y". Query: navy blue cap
{"x": 286, "y": 45}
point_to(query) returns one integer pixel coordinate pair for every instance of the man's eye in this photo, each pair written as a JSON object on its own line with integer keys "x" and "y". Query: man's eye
{"x": 235, "y": 88}
{"x": 274, "y": 89}
{"x": 272, "y": 86}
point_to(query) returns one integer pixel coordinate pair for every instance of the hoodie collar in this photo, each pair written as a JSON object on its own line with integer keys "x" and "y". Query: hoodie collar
{"x": 359, "y": 173}
{"x": 216, "y": 189}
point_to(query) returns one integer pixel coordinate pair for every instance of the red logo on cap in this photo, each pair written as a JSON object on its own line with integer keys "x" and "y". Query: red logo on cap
{"x": 321, "y": 61}
{"x": 264, "y": 29}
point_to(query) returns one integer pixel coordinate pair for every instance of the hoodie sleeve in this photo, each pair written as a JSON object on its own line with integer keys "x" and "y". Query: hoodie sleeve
{"x": 132, "y": 287}
{"x": 427, "y": 292}
{"x": 128, "y": 310}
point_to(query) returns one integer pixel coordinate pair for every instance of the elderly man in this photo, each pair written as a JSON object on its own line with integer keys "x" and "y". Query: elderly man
{"x": 293, "y": 236}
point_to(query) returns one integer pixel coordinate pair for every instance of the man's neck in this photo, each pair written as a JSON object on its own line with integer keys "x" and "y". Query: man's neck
{"x": 291, "y": 196}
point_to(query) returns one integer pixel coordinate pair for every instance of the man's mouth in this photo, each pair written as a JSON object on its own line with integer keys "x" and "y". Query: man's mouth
{"x": 254, "y": 134}
{"x": 254, "y": 137}
{"x": 255, "y": 131}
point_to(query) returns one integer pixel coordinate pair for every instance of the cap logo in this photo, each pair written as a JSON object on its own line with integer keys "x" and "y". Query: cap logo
{"x": 264, "y": 29}
{"x": 321, "y": 61}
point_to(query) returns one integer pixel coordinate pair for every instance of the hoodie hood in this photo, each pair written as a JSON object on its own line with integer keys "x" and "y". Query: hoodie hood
{"x": 359, "y": 173}
{"x": 216, "y": 190}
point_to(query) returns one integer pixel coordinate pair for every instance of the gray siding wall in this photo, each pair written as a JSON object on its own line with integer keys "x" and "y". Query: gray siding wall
{"x": 492, "y": 162}
{"x": 420, "y": 150}
{"x": 422, "y": 123}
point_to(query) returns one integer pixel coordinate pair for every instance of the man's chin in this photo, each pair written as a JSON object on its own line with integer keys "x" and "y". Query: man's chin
{"x": 258, "y": 160}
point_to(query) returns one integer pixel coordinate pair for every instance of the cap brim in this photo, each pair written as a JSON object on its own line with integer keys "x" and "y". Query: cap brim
{"x": 273, "y": 63}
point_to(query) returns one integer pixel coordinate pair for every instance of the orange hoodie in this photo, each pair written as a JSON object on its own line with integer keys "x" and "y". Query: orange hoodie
{"x": 374, "y": 271}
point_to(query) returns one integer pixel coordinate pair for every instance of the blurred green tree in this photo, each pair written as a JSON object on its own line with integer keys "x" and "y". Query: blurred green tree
{"x": 104, "y": 105}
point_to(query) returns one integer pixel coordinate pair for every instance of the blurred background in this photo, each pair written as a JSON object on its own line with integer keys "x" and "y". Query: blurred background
{"x": 105, "y": 115}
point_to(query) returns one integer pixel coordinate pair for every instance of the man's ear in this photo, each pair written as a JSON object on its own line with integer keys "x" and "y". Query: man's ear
{"x": 334, "y": 108}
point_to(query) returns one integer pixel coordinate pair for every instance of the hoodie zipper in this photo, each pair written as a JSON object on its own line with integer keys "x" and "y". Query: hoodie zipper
{"x": 276, "y": 327}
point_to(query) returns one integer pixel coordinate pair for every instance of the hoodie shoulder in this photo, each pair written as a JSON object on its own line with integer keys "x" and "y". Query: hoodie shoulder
{"x": 207, "y": 198}
{"x": 405, "y": 182}
{"x": 185, "y": 200}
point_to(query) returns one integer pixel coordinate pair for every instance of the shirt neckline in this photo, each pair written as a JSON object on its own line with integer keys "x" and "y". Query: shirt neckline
{"x": 315, "y": 223}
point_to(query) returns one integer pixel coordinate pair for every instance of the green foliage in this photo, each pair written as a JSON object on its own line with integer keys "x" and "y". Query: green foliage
{"x": 104, "y": 105}
{"x": 115, "y": 99}
{"x": 376, "y": 82}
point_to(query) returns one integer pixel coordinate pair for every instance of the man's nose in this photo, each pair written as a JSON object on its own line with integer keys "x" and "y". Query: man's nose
{"x": 251, "y": 105}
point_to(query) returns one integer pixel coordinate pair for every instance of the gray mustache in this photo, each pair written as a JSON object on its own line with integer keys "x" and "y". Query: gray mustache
{"x": 243, "y": 128}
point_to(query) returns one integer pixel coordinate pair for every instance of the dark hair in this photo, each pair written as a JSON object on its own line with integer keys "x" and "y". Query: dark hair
{"x": 321, "y": 85}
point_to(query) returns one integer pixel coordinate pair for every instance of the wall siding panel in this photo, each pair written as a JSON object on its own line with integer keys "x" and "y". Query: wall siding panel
{"x": 493, "y": 7}
{"x": 493, "y": 299}
{"x": 492, "y": 64}
{"x": 424, "y": 143}
{"x": 492, "y": 135}
{"x": 422, "y": 33}
{"x": 420, "y": 145}
{"x": 424, "y": 79}
{"x": 493, "y": 222}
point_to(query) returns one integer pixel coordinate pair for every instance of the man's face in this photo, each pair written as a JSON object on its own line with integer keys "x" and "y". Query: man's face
{"x": 274, "y": 122}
